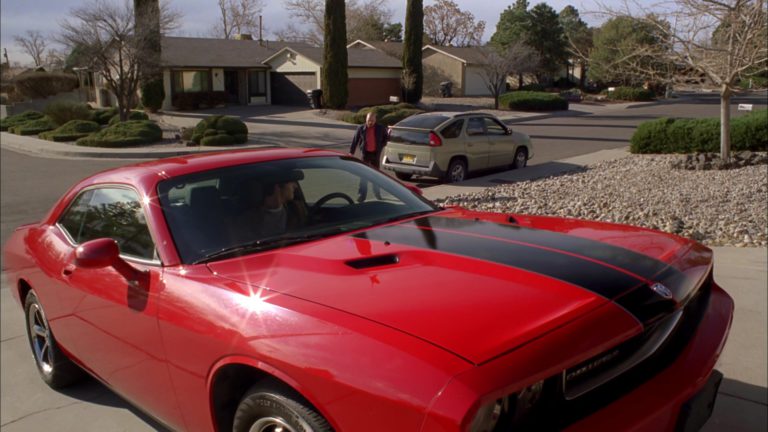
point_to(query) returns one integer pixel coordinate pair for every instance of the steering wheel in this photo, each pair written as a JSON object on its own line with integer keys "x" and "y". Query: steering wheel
{"x": 333, "y": 195}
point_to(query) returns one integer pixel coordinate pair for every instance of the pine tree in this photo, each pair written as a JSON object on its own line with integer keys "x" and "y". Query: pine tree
{"x": 335, "y": 91}
{"x": 413, "y": 76}
{"x": 147, "y": 32}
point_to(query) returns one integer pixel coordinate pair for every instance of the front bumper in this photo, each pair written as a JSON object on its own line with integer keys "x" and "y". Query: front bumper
{"x": 673, "y": 398}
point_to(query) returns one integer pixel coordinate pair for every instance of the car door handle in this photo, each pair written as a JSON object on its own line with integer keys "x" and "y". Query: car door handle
{"x": 68, "y": 270}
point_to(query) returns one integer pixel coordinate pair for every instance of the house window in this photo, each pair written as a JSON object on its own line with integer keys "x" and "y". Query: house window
{"x": 257, "y": 83}
{"x": 191, "y": 81}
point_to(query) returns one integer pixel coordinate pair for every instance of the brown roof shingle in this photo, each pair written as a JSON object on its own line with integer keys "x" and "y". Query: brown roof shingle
{"x": 202, "y": 52}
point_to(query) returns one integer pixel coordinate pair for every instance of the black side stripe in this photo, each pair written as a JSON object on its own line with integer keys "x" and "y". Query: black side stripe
{"x": 600, "y": 279}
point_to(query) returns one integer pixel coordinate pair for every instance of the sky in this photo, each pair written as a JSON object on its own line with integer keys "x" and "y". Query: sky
{"x": 18, "y": 16}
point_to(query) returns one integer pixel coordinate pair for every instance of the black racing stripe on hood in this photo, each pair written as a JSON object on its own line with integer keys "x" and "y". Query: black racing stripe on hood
{"x": 633, "y": 262}
{"x": 595, "y": 277}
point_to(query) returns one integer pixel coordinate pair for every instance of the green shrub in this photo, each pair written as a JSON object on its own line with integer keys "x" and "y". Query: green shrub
{"x": 231, "y": 126}
{"x": 132, "y": 115}
{"x": 62, "y": 111}
{"x": 71, "y": 131}
{"x": 124, "y": 134}
{"x": 190, "y": 101}
{"x": 532, "y": 101}
{"x": 34, "y": 127}
{"x": 218, "y": 140}
{"x": 385, "y": 114}
{"x": 15, "y": 120}
{"x": 102, "y": 116}
{"x": 749, "y": 132}
{"x": 152, "y": 95}
{"x": 533, "y": 87}
{"x": 632, "y": 94}
{"x": 42, "y": 84}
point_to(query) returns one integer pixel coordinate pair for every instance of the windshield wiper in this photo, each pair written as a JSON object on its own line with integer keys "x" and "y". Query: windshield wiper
{"x": 264, "y": 244}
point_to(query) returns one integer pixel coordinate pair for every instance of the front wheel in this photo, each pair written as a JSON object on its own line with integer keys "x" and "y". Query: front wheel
{"x": 265, "y": 410}
{"x": 54, "y": 367}
{"x": 521, "y": 158}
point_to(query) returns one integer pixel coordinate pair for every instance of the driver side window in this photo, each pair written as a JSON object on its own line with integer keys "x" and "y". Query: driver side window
{"x": 113, "y": 213}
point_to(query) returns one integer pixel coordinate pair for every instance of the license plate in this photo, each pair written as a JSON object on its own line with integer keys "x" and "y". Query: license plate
{"x": 408, "y": 158}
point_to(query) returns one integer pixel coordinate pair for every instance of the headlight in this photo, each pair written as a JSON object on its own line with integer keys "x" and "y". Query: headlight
{"x": 487, "y": 416}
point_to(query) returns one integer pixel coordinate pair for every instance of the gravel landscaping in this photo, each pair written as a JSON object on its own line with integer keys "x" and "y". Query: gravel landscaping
{"x": 717, "y": 208}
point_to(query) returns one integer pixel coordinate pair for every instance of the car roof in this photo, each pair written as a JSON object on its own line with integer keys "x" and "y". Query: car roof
{"x": 148, "y": 173}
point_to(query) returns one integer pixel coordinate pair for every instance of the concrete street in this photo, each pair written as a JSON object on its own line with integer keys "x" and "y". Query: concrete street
{"x": 29, "y": 184}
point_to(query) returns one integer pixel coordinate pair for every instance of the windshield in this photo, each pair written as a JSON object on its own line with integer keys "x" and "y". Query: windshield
{"x": 247, "y": 208}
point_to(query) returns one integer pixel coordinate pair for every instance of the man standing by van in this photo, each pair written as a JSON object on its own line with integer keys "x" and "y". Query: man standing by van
{"x": 371, "y": 137}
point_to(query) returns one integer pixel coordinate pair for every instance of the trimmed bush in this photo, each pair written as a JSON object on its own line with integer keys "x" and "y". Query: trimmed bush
{"x": 220, "y": 125}
{"x": 18, "y": 119}
{"x": 62, "y": 112}
{"x": 632, "y": 94}
{"x": 71, "y": 131}
{"x": 532, "y": 101}
{"x": 749, "y": 132}
{"x": 385, "y": 114}
{"x": 102, "y": 116}
{"x": 152, "y": 95}
{"x": 132, "y": 115}
{"x": 34, "y": 127}
{"x": 42, "y": 84}
{"x": 533, "y": 87}
{"x": 124, "y": 134}
{"x": 193, "y": 101}
{"x": 218, "y": 140}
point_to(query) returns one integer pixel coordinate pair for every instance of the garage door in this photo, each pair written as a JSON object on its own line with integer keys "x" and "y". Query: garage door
{"x": 372, "y": 91}
{"x": 291, "y": 88}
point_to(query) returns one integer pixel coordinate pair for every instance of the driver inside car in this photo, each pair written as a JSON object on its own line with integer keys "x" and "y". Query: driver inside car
{"x": 276, "y": 205}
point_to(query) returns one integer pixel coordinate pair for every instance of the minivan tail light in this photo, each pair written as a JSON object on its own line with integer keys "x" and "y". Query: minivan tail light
{"x": 434, "y": 140}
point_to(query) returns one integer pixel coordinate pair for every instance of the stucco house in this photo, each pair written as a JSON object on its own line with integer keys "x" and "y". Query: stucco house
{"x": 393, "y": 49}
{"x": 461, "y": 66}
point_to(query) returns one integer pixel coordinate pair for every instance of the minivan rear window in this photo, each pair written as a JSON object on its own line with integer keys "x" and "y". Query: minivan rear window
{"x": 422, "y": 121}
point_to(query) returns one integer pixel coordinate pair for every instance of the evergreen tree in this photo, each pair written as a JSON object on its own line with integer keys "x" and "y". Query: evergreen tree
{"x": 335, "y": 91}
{"x": 147, "y": 32}
{"x": 513, "y": 25}
{"x": 578, "y": 38}
{"x": 413, "y": 76}
{"x": 546, "y": 37}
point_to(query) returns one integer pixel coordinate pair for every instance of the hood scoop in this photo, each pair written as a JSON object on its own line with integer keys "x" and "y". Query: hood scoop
{"x": 371, "y": 262}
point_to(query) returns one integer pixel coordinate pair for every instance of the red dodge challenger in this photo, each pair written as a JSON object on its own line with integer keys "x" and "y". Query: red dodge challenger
{"x": 300, "y": 290}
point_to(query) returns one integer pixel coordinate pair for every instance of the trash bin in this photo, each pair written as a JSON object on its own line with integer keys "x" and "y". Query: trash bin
{"x": 315, "y": 98}
{"x": 445, "y": 89}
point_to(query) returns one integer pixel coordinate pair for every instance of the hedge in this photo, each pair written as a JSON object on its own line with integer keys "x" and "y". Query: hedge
{"x": 123, "y": 134}
{"x": 532, "y": 101}
{"x": 667, "y": 135}
{"x": 103, "y": 116}
{"x": 15, "y": 120}
{"x": 132, "y": 115}
{"x": 385, "y": 114}
{"x": 41, "y": 84}
{"x": 152, "y": 95}
{"x": 62, "y": 112}
{"x": 34, "y": 127}
{"x": 218, "y": 140}
{"x": 190, "y": 101}
{"x": 71, "y": 131}
{"x": 633, "y": 94}
{"x": 220, "y": 125}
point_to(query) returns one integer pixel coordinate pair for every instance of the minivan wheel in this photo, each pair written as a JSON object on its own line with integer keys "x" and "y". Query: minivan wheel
{"x": 403, "y": 176}
{"x": 457, "y": 171}
{"x": 54, "y": 367}
{"x": 521, "y": 158}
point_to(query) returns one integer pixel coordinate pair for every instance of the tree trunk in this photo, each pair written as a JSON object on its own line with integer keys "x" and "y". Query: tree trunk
{"x": 582, "y": 76}
{"x": 519, "y": 81}
{"x": 725, "y": 123}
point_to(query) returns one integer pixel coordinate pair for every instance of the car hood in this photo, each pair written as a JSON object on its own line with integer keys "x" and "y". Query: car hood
{"x": 476, "y": 288}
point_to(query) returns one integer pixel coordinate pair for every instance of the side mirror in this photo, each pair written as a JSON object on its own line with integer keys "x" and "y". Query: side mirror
{"x": 415, "y": 189}
{"x": 509, "y": 131}
{"x": 105, "y": 252}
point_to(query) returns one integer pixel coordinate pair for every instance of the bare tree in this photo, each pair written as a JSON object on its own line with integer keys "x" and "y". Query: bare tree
{"x": 501, "y": 62}
{"x": 720, "y": 39}
{"x": 33, "y": 44}
{"x": 445, "y": 24}
{"x": 361, "y": 15}
{"x": 238, "y": 17}
{"x": 104, "y": 32}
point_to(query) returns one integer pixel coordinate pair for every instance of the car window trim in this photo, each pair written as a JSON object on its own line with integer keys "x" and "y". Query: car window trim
{"x": 132, "y": 258}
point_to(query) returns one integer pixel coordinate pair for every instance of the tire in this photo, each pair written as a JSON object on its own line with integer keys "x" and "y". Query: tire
{"x": 55, "y": 368}
{"x": 521, "y": 158}
{"x": 264, "y": 409}
{"x": 403, "y": 176}
{"x": 457, "y": 171}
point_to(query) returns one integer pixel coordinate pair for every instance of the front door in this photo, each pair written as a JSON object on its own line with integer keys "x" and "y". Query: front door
{"x": 232, "y": 86}
{"x": 115, "y": 323}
